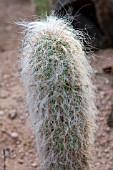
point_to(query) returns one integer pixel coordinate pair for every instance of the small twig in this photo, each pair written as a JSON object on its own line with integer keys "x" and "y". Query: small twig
{"x": 4, "y": 156}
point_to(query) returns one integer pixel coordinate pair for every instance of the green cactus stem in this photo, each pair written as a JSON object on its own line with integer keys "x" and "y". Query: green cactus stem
{"x": 59, "y": 94}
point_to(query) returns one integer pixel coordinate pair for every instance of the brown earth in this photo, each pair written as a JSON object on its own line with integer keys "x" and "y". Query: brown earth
{"x": 17, "y": 145}
{"x": 20, "y": 151}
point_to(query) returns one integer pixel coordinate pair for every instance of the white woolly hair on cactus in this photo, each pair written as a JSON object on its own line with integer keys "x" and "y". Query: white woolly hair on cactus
{"x": 59, "y": 94}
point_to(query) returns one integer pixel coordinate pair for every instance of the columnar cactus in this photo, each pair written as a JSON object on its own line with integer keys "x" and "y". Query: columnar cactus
{"x": 59, "y": 94}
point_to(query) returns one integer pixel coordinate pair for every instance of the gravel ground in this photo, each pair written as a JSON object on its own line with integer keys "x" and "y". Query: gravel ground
{"x": 17, "y": 143}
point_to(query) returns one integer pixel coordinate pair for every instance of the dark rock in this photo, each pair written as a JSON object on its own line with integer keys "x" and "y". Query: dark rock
{"x": 93, "y": 17}
{"x": 12, "y": 114}
{"x": 110, "y": 119}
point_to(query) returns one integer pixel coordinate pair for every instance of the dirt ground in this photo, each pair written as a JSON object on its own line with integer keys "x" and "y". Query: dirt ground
{"x": 17, "y": 145}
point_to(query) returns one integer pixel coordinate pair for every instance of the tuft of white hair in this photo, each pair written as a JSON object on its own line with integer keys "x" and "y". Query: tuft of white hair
{"x": 59, "y": 94}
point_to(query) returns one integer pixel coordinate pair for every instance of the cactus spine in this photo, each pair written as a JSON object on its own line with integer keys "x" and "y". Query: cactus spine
{"x": 59, "y": 94}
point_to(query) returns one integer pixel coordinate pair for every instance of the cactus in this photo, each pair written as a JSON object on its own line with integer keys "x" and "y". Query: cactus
{"x": 59, "y": 94}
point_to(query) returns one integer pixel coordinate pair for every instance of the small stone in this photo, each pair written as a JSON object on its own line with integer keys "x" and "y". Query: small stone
{"x": 12, "y": 114}
{"x": 14, "y": 135}
{"x": 106, "y": 150}
{"x": 7, "y": 152}
{"x": 96, "y": 72}
{"x": 13, "y": 156}
{"x": 18, "y": 142}
{"x": 106, "y": 81}
{"x": 107, "y": 129}
{"x": 7, "y": 76}
{"x": 20, "y": 161}
{"x": 34, "y": 165}
{"x": 2, "y": 49}
{"x": 3, "y": 130}
{"x": 4, "y": 94}
{"x": 22, "y": 155}
{"x": 1, "y": 112}
{"x": 107, "y": 155}
{"x": 27, "y": 154}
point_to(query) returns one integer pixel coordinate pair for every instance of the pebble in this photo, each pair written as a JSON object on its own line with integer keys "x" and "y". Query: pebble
{"x": 12, "y": 114}
{"x": 14, "y": 135}
{"x": 1, "y": 113}
{"x": 34, "y": 165}
{"x": 106, "y": 150}
{"x": 13, "y": 156}
{"x": 106, "y": 81}
{"x": 27, "y": 154}
{"x": 18, "y": 142}
{"x": 7, "y": 76}
{"x": 2, "y": 49}
{"x": 22, "y": 155}
{"x": 4, "y": 94}
{"x": 20, "y": 161}
{"x": 7, "y": 152}
{"x": 107, "y": 129}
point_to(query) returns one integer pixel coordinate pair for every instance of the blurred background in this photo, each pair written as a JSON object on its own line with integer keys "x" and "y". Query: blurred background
{"x": 95, "y": 19}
